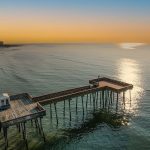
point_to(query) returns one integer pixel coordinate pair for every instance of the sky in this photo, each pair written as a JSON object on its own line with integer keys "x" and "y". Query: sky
{"x": 69, "y": 21}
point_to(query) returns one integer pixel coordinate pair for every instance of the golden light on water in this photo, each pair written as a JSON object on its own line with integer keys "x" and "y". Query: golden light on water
{"x": 130, "y": 45}
{"x": 129, "y": 71}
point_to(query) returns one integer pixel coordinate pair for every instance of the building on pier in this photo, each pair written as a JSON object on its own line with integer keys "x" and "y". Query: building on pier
{"x": 4, "y": 101}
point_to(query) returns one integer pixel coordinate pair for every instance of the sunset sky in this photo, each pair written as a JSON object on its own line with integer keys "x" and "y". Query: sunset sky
{"x": 50, "y": 21}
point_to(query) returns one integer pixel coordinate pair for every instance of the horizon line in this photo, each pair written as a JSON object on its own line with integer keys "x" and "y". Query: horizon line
{"x": 30, "y": 43}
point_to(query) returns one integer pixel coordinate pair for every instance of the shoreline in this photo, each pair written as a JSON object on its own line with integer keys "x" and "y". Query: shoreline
{"x": 10, "y": 45}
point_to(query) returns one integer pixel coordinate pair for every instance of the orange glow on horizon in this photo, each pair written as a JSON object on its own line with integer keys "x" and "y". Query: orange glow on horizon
{"x": 76, "y": 30}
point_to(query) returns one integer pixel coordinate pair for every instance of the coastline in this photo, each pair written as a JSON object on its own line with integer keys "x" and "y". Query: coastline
{"x": 10, "y": 45}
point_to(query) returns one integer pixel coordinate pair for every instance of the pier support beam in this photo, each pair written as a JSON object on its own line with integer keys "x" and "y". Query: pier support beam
{"x": 35, "y": 123}
{"x": 82, "y": 104}
{"x": 124, "y": 99}
{"x": 76, "y": 105}
{"x": 64, "y": 109}
{"x": 18, "y": 127}
{"x": 100, "y": 98}
{"x": 87, "y": 98}
{"x": 56, "y": 113}
{"x": 90, "y": 98}
{"x": 93, "y": 94}
{"x": 96, "y": 95}
{"x": 111, "y": 97}
{"x": 51, "y": 115}
{"x": 23, "y": 128}
{"x": 5, "y": 137}
{"x": 117, "y": 101}
{"x": 69, "y": 109}
{"x": 130, "y": 97}
{"x": 41, "y": 128}
{"x": 103, "y": 96}
{"x": 24, "y": 134}
{"x": 38, "y": 125}
{"x": 31, "y": 122}
{"x": 106, "y": 98}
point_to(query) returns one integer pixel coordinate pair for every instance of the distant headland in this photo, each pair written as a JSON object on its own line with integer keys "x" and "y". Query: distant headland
{"x": 3, "y": 45}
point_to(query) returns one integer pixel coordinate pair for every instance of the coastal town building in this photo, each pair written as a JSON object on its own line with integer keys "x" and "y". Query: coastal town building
{"x": 1, "y": 43}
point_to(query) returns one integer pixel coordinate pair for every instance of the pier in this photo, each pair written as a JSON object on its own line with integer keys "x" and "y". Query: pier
{"x": 21, "y": 110}
{"x": 25, "y": 108}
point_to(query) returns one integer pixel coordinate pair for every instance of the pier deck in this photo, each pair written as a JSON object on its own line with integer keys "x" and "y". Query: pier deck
{"x": 101, "y": 84}
{"x": 21, "y": 109}
{"x": 112, "y": 84}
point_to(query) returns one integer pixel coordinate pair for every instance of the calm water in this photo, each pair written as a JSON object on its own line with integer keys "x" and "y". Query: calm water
{"x": 40, "y": 69}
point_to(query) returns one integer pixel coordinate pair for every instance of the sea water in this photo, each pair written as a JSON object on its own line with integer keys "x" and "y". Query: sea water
{"x": 46, "y": 68}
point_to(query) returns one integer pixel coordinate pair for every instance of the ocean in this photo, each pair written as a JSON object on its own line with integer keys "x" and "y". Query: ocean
{"x": 46, "y": 68}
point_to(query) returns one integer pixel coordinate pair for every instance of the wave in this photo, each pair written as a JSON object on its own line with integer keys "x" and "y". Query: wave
{"x": 20, "y": 78}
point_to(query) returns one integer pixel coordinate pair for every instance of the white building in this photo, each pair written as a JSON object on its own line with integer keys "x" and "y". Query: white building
{"x": 4, "y": 101}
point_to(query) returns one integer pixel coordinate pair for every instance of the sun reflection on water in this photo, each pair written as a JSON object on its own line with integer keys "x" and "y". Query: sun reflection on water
{"x": 129, "y": 71}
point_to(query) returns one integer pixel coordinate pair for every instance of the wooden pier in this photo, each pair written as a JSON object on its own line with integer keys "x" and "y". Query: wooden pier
{"x": 100, "y": 84}
{"x": 23, "y": 107}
